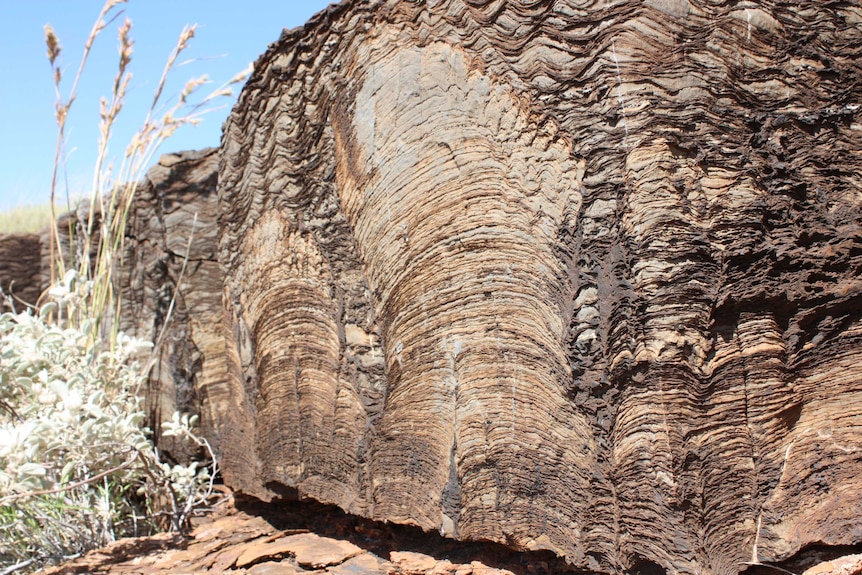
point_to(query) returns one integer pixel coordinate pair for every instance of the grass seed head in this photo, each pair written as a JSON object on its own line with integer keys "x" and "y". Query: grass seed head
{"x": 53, "y": 44}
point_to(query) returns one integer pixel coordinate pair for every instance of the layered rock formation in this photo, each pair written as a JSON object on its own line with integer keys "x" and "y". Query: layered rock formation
{"x": 20, "y": 274}
{"x": 172, "y": 289}
{"x": 576, "y": 275}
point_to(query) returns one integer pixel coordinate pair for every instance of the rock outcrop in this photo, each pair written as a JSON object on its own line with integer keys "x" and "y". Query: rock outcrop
{"x": 572, "y": 276}
{"x": 580, "y": 276}
{"x": 301, "y": 539}
{"x": 172, "y": 289}
{"x": 20, "y": 274}
{"x": 306, "y": 538}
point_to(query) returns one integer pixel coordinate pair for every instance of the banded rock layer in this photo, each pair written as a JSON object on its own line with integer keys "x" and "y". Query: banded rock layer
{"x": 20, "y": 273}
{"x": 570, "y": 275}
{"x": 171, "y": 290}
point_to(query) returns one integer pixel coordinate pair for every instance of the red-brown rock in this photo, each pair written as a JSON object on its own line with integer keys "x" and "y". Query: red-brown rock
{"x": 20, "y": 270}
{"x": 576, "y": 276}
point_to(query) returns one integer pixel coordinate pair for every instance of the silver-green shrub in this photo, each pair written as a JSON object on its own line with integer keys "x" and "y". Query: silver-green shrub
{"x": 77, "y": 468}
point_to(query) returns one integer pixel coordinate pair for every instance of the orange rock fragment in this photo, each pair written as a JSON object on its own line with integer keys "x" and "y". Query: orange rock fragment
{"x": 847, "y": 565}
{"x": 273, "y": 568}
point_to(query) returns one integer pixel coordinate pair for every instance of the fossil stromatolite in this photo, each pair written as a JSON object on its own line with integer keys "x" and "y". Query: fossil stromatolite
{"x": 571, "y": 275}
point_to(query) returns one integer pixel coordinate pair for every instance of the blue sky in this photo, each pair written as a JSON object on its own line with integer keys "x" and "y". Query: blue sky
{"x": 229, "y": 36}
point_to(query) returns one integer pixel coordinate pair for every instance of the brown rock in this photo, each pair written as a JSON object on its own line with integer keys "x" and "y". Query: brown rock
{"x": 364, "y": 564}
{"x": 273, "y": 568}
{"x": 170, "y": 262}
{"x": 847, "y": 565}
{"x": 610, "y": 257}
{"x": 313, "y": 551}
{"x": 480, "y": 568}
{"x": 20, "y": 270}
{"x": 411, "y": 563}
{"x": 255, "y": 551}
{"x": 233, "y": 529}
{"x": 224, "y": 560}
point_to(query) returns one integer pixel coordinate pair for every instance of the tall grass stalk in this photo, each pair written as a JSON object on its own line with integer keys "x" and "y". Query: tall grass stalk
{"x": 77, "y": 467}
{"x": 96, "y": 244}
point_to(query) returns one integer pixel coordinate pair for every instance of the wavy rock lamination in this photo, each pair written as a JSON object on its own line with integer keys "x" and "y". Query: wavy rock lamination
{"x": 20, "y": 273}
{"x": 171, "y": 288}
{"x": 577, "y": 276}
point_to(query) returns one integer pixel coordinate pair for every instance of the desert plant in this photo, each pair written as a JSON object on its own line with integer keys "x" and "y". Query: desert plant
{"x": 77, "y": 467}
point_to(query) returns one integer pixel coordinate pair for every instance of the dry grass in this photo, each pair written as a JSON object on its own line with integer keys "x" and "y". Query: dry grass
{"x": 25, "y": 219}
{"x": 86, "y": 305}
{"x": 98, "y": 241}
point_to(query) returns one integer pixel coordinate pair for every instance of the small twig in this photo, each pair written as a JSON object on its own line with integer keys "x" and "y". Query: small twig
{"x": 69, "y": 486}
{"x": 202, "y": 442}
{"x": 17, "y": 566}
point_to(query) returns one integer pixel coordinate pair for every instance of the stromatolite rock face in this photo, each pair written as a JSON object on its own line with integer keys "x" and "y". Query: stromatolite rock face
{"x": 578, "y": 276}
{"x": 20, "y": 274}
{"x": 171, "y": 289}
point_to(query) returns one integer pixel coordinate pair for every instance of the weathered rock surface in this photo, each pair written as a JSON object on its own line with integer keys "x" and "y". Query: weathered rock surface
{"x": 170, "y": 267}
{"x": 236, "y": 542}
{"x": 231, "y": 541}
{"x": 20, "y": 275}
{"x": 581, "y": 276}
{"x": 847, "y": 565}
{"x": 574, "y": 276}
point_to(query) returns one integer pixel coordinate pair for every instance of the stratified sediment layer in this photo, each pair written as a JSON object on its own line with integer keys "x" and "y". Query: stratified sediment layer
{"x": 572, "y": 275}
{"x": 171, "y": 287}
